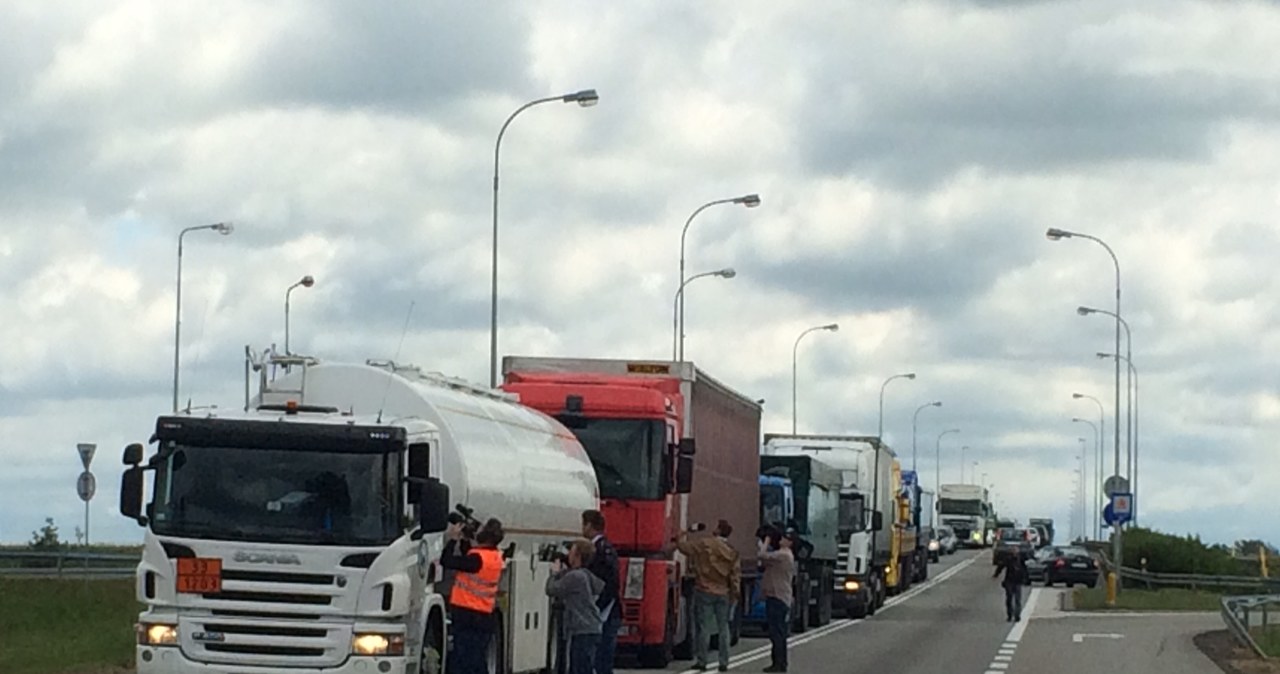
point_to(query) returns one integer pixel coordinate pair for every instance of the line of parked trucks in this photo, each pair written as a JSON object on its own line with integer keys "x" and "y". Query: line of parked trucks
{"x": 303, "y": 532}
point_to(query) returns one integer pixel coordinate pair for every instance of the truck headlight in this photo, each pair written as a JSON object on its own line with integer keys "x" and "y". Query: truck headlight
{"x": 633, "y": 588}
{"x": 157, "y": 634}
{"x": 851, "y": 586}
{"x": 377, "y": 644}
{"x": 933, "y": 545}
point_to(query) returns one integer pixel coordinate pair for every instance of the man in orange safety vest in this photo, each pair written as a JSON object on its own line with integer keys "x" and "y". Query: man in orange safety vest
{"x": 474, "y": 595}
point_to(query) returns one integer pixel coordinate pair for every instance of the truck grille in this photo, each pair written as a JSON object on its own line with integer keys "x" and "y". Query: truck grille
{"x": 843, "y": 567}
{"x": 269, "y": 619}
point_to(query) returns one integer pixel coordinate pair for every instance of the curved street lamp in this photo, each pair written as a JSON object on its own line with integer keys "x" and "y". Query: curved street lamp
{"x": 223, "y": 228}
{"x": 1131, "y": 432}
{"x": 748, "y": 200}
{"x": 914, "y": 419}
{"x": 1055, "y": 234}
{"x": 830, "y": 327}
{"x": 727, "y": 272}
{"x": 937, "y": 478}
{"x": 1098, "y": 469}
{"x": 584, "y": 98}
{"x": 1133, "y": 373}
{"x": 305, "y": 282}
{"x": 1097, "y": 456}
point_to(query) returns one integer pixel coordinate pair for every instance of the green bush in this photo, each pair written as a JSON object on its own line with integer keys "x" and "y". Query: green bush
{"x": 1166, "y": 553}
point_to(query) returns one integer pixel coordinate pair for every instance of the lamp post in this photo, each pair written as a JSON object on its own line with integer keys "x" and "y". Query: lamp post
{"x": 937, "y": 477}
{"x": 1133, "y": 374}
{"x": 914, "y": 418}
{"x": 1084, "y": 492}
{"x": 1055, "y": 234}
{"x": 305, "y": 282}
{"x": 1131, "y": 431}
{"x": 727, "y": 272}
{"x": 963, "y": 450}
{"x": 585, "y": 98}
{"x": 223, "y": 228}
{"x": 1097, "y": 454}
{"x": 875, "y": 469}
{"x": 880, "y": 423}
{"x": 1098, "y": 469}
{"x": 748, "y": 200}
{"x": 831, "y": 327}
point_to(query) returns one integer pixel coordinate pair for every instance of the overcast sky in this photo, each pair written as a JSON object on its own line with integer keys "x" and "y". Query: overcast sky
{"x": 910, "y": 156}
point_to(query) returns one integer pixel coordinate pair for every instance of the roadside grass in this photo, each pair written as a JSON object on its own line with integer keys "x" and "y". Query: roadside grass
{"x": 52, "y": 626}
{"x": 1131, "y": 599}
{"x": 1268, "y": 639}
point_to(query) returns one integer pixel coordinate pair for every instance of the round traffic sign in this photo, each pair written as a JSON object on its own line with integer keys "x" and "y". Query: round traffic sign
{"x": 86, "y": 485}
{"x": 1115, "y": 484}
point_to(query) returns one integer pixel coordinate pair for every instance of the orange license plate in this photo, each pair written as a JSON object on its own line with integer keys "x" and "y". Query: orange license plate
{"x": 199, "y": 575}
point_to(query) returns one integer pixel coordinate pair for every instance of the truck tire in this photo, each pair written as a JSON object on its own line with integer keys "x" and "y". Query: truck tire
{"x": 800, "y": 616}
{"x": 924, "y": 572}
{"x": 431, "y": 660}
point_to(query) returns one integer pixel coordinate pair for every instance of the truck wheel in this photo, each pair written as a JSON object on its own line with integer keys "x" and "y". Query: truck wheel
{"x": 800, "y": 616}
{"x": 432, "y": 659}
{"x": 821, "y": 613}
{"x": 924, "y": 572}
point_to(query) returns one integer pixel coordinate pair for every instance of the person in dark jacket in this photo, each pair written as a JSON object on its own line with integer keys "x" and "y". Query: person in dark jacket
{"x": 1014, "y": 567}
{"x": 604, "y": 564}
{"x": 478, "y": 570}
{"x": 577, "y": 588}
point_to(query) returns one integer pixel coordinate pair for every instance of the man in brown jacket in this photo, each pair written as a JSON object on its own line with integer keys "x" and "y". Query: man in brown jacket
{"x": 717, "y": 570}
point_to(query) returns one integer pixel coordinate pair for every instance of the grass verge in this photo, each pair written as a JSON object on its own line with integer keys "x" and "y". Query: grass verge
{"x": 52, "y": 626}
{"x": 1268, "y": 639}
{"x": 1169, "y": 599}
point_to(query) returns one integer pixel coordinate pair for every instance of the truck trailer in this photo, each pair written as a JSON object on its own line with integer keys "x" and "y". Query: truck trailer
{"x": 806, "y": 492}
{"x": 916, "y": 525}
{"x": 303, "y": 533}
{"x": 672, "y": 447}
{"x": 869, "y": 558}
{"x": 965, "y": 508}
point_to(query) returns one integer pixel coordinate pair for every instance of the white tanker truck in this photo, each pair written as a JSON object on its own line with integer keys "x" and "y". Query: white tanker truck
{"x": 302, "y": 534}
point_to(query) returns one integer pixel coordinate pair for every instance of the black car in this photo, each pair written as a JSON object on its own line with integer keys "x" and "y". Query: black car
{"x": 1070, "y": 565}
{"x": 1039, "y": 561}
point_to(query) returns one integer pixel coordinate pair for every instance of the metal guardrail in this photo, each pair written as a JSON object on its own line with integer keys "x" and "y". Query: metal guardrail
{"x": 1196, "y": 581}
{"x": 67, "y": 564}
{"x": 1239, "y": 612}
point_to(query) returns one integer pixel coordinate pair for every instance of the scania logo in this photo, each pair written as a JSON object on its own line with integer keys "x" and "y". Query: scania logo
{"x": 267, "y": 558}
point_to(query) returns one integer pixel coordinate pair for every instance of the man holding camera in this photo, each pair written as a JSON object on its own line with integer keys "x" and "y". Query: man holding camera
{"x": 472, "y": 552}
{"x": 717, "y": 589}
{"x": 577, "y": 588}
{"x": 779, "y": 574}
{"x": 604, "y": 564}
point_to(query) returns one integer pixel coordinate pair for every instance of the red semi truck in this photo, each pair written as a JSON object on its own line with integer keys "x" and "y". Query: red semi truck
{"x": 671, "y": 448}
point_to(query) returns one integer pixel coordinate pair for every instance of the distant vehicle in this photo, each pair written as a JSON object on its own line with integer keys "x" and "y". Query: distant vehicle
{"x": 1071, "y": 565}
{"x": 947, "y": 539}
{"x": 964, "y": 508}
{"x": 1043, "y": 539}
{"x": 1011, "y": 541}
{"x": 935, "y": 547}
{"x": 1047, "y": 523}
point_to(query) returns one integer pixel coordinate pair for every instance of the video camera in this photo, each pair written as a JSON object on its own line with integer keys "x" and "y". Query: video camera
{"x": 552, "y": 552}
{"x": 467, "y": 518}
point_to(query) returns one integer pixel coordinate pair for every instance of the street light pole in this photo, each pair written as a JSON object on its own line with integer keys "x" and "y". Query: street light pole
{"x": 937, "y": 458}
{"x": 223, "y": 228}
{"x": 880, "y": 423}
{"x": 1084, "y": 492}
{"x": 1098, "y": 469}
{"x": 963, "y": 450}
{"x": 914, "y": 419}
{"x": 1133, "y": 374}
{"x": 1054, "y": 234}
{"x": 585, "y": 98}
{"x": 306, "y": 282}
{"x": 727, "y": 272}
{"x": 832, "y": 327}
{"x": 1097, "y": 456}
{"x": 1131, "y": 394}
{"x": 748, "y": 200}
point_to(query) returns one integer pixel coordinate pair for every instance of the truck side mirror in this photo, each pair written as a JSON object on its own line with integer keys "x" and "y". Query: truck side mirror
{"x": 877, "y": 520}
{"x": 688, "y": 447}
{"x": 131, "y": 494}
{"x": 419, "y": 471}
{"x": 133, "y": 454}
{"x": 684, "y": 474}
{"x": 433, "y": 507}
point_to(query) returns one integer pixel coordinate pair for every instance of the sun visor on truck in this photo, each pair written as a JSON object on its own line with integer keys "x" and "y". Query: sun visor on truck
{"x": 246, "y": 434}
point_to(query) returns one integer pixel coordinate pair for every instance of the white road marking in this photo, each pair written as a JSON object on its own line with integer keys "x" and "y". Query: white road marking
{"x": 836, "y": 625}
{"x": 1015, "y": 634}
{"x": 1079, "y": 638}
{"x": 1004, "y": 658}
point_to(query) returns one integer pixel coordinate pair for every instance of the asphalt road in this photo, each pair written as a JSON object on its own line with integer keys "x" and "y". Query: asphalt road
{"x": 955, "y": 623}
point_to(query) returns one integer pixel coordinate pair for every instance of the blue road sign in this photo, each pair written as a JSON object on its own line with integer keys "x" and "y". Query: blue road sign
{"x": 1119, "y": 510}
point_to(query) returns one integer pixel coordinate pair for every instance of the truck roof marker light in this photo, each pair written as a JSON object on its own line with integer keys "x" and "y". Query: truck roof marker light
{"x": 291, "y": 407}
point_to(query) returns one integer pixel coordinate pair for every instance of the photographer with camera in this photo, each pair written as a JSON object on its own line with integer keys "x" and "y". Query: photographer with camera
{"x": 604, "y": 564}
{"x": 472, "y": 552}
{"x": 779, "y": 564}
{"x": 717, "y": 574}
{"x": 577, "y": 588}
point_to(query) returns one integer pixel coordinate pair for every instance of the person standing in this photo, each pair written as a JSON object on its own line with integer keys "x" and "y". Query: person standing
{"x": 474, "y": 594}
{"x": 604, "y": 564}
{"x": 717, "y": 589}
{"x": 577, "y": 588}
{"x": 779, "y": 574}
{"x": 1014, "y": 567}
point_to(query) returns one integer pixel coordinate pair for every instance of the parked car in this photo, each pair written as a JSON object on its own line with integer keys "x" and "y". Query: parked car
{"x": 947, "y": 540}
{"x": 1039, "y": 562}
{"x": 1071, "y": 565}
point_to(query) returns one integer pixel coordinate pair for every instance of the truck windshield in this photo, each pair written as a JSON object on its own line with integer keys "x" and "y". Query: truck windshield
{"x": 955, "y": 507}
{"x": 278, "y": 496}
{"x": 773, "y": 508}
{"x": 851, "y": 513}
{"x": 627, "y": 455}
